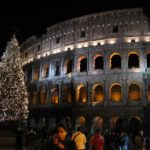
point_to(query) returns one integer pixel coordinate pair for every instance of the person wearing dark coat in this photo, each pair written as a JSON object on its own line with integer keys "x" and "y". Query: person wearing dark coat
{"x": 60, "y": 140}
{"x": 19, "y": 139}
{"x": 123, "y": 141}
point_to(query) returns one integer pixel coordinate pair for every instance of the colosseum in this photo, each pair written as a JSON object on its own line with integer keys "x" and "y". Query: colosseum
{"x": 90, "y": 70}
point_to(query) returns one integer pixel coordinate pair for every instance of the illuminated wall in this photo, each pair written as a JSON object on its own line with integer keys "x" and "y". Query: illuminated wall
{"x": 36, "y": 73}
{"x": 98, "y": 93}
{"x": 45, "y": 71}
{"x": 134, "y": 92}
{"x": 54, "y": 96}
{"x": 115, "y": 93}
{"x": 81, "y": 95}
{"x": 43, "y": 97}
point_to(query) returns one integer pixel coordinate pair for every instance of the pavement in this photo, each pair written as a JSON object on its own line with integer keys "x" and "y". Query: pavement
{"x": 7, "y": 143}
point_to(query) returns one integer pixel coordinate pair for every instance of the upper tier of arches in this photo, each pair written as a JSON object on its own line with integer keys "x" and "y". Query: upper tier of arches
{"x": 96, "y": 29}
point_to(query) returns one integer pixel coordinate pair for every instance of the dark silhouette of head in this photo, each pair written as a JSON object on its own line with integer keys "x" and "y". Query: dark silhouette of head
{"x": 79, "y": 129}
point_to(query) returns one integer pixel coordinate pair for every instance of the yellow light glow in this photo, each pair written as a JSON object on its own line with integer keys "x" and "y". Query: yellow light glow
{"x": 111, "y": 41}
{"x": 129, "y": 39}
{"x": 147, "y": 39}
{"x": 38, "y": 56}
{"x": 84, "y": 100}
{"x": 79, "y": 45}
{"x": 86, "y": 44}
{"x": 102, "y": 42}
{"x": 56, "y": 51}
{"x": 94, "y": 43}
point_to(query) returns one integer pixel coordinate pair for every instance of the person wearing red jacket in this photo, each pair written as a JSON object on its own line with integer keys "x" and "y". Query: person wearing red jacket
{"x": 97, "y": 141}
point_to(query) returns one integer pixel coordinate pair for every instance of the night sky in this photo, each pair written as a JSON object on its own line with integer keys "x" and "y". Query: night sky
{"x": 31, "y": 18}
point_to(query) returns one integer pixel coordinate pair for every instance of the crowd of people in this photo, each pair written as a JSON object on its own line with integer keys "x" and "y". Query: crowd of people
{"x": 61, "y": 138}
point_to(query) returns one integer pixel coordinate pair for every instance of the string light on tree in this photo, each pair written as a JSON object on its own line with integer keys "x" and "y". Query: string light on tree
{"x": 13, "y": 93}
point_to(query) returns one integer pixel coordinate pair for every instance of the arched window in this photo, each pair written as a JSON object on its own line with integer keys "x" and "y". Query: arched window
{"x": 36, "y": 73}
{"x": 33, "y": 98}
{"x": 81, "y": 94}
{"x": 43, "y": 97}
{"x": 99, "y": 64}
{"x": 98, "y": 93}
{"x": 148, "y": 60}
{"x": 66, "y": 94}
{"x": 83, "y": 65}
{"x": 134, "y": 92}
{"x": 115, "y": 61}
{"x": 68, "y": 66}
{"x": 133, "y": 61}
{"x": 116, "y": 94}
{"x": 45, "y": 71}
{"x": 54, "y": 96}
{"x": 148, "y": 94}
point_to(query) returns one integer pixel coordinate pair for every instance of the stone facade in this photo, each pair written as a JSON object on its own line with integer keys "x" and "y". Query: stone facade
{"x": 118, "y": 33}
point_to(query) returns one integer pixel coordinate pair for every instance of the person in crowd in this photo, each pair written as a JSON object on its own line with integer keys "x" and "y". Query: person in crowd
{"x": 97, "y": 141}
{"x": 80, "y": 139}
{"x": 140, "y": 141}
{"x": 113, "y": 141}
{"x": 123, "y": 141}
{"x": 60, "y": 140}
{"x": 19, "y": 139}
{"x": 31, "y": 138}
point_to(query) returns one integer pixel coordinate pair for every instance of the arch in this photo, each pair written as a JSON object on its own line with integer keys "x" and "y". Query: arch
{"x": 97, "y": 93}
{"x": 98, "y": 62}
{"x": 115, "y": 61}
{"x": 135, "y": 124}
{"x": 137, "y": 117}
{"x": 43, "y": 96}
{"x": 45, "y": 71}
{"x": 148, "y": 60}
{"x": 36, "y": 73}
{"x": 66, "y": 94}
{"x": 134, "y": 93}
{"x": 97, "y": 122}
{"x": 133, "y": 60}
{"x": 54, "y": 95}
{"x": 80, "y": 121}
{"x": 82, "y": 64}
{"x": 115, "y": 92}
{"x": 113, "y": 121}
{"x": 68, "y": 66}
{"x": 81, "y": 95}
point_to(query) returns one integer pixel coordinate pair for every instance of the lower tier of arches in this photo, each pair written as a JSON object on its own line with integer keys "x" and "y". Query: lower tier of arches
{"x": 106, "y": 118}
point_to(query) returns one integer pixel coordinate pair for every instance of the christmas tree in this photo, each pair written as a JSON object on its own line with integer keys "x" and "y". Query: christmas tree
{"x": 13, "y": 93}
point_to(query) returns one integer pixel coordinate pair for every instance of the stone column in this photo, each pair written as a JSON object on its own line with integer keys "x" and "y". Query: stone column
{"x": 90, "y": 62}
{"x": 124, "y": 88}
{"x": 40, "y": 73}
{"x": 144, "y": 91}
{"x": 106, "y": 92}
{"x": 88, "y": 93}
{"x": 75, "y": 64}
{"x": 49, "y": 72}
{"x": 59, "y": 88}
{"x": 32, "y": 76}
{"x": 61, "y": 67}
